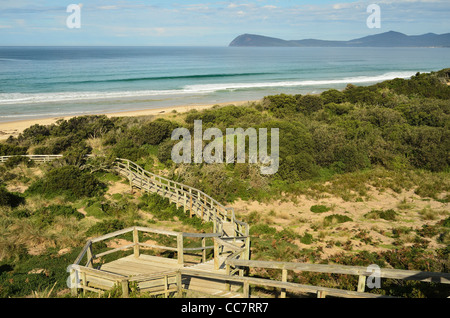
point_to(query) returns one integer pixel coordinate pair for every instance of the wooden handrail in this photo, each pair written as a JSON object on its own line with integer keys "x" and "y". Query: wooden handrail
{"x": 279, "y": 284}
{"x": 443, "y": 278}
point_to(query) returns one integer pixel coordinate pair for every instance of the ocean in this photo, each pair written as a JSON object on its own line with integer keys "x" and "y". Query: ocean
{"x": 41, "y": 82}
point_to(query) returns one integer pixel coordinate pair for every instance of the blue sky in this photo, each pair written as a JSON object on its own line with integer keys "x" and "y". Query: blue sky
{"x": 215, "y": 23}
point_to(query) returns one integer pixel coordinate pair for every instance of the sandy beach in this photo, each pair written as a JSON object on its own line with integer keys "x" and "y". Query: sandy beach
{"x": 14, "y": 128}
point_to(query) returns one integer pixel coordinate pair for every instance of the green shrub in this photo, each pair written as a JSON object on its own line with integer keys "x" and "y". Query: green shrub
{"x": 12, "y": 150}
{"x": 46, "y": 215}
{"x": 127, "y": 149}
{"x": 336, "y": 219}
{"x": 333, "y": 96}
{"x": 319, "y": 208}
{"x": 16, "y": 160}
{"x": 309, "y": 104}
{"x": 152, "y": 133}
{"x": 306, "y": 239}
{"x": 262, "y": 229}
{"x": 105, "y": 227}
{"x": 280, "y": 105}
{"x": 389, "y": 215}
{"x": 446, "y": 222}
{"x": 34, "y": 134}
{"x": 69, "y": 181}
{"x": 20, "y": 213}
{"x": 339, "y": 109}
{"x": 10, "y": 199}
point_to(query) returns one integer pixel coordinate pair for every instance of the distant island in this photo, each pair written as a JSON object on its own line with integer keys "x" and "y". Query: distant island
{"x": 387, "y": 39}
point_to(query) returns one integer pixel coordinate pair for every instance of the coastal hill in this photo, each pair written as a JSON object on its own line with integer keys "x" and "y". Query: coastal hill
{"x": 387, "y": 39}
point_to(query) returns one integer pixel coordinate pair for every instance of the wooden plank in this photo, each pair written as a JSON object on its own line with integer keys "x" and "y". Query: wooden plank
{"x": 138, "y": 267}
{"x": 82, "y": 253}
{"x": 136, "y": 243}
{"x": 111, "y": 235}
{"x": 156, "y": 231}
{"x": 278, "y": 284}
{"x": 443, "y": 278}
{"x": 158, "y": 247}
{"x": 115, "y": 250}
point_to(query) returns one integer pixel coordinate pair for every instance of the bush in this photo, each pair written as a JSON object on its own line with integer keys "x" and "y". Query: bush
{"x": 34, "y": 134}
{"x": 306, "y": 239}
{"x": 309, "y": 104}
{"x": 336, "y": 219}
{"x": 333, "y": 96}
{"x": 389, "y": 215}
{"x": 11, "y": 150}
{"x": 319, "y": 208}
{"x": 16, "y": 160}
{"x": 47, "y": 215}
{"x": 262, "y": 229}
{"x": 10, "y": 199}
{"x": 152, "y": 133}
{"x": 105, "y": 227}
{"x": 429, "y": 147}
{"x": 127, "y": 149}
{"x": 281, "y": 105}
{"x": 69, "y": 181}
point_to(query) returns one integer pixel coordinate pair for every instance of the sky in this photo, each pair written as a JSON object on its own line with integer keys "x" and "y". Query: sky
{"x": 209, "y": 23}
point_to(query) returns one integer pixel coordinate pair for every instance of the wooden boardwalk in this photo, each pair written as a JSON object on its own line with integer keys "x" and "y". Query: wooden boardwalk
{"x": 222, "y": 274}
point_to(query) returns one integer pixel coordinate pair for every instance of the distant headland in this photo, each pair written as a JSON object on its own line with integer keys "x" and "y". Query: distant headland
{"x": 387, "y": 39}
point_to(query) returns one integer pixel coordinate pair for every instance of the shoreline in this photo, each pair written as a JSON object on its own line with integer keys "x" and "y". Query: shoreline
{"x": 16, "y": 127}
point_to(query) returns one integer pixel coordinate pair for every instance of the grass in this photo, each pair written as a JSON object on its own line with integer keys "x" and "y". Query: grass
{"x": 336, "y": 219}
{"x": 389, "y": 215}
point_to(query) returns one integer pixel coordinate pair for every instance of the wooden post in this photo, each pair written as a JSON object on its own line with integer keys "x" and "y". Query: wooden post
{"x": 321, "y": 294}
{"x": 180, "y": 248}
{"x": 214, "y": 223}
{"x": 216, "y": 255}
{"x": 190, "y": 208}
{"x": 201, "y": 203}
{"x": 246, "y": 289}
{"x": 227, "y": 271}
{"x": 204, "y": 250}
{"x": 136, "y": 243}
{"x": 74, "y": 282}
{"x": 361, "y": 284}
{"x": 125, "y": 291}
{"x": 83, "y": 277}
{"x": 184, "y": 202}
{"x": 284, "y": 280}
{"x": 89, "y": 256}
{"x": 130, "y": 176}
{"x": 179, "y": 285}
{"x": 166, "y": 286}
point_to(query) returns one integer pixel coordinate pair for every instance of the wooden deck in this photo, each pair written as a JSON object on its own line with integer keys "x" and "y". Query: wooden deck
{"x": 145, "y": 266}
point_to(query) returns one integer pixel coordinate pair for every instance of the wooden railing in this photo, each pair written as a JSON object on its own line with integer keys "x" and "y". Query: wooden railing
{"x": 36, "y": 158}
{"x": 361, "y": 272}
